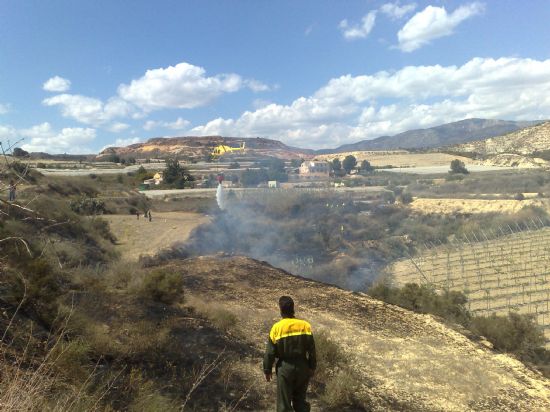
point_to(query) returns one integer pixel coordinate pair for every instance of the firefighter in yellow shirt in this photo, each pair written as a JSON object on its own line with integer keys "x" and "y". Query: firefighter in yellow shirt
{"x": 291, "y": 344}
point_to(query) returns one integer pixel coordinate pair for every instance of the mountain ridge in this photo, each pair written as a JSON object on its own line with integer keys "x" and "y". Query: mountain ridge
{"x": 527, "y": 142}
{"x": 438, "y": 136}
{"x": 444, "y": 135}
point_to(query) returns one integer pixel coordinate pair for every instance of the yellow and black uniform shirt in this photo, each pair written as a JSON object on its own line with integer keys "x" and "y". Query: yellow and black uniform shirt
{"x": 290, "y": 340}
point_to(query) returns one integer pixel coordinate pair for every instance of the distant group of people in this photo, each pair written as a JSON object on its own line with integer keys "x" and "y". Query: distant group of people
{"x": 146, "y": 215}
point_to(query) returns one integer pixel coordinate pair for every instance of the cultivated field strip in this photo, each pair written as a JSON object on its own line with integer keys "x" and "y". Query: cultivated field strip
{"x": 511, "y": 272}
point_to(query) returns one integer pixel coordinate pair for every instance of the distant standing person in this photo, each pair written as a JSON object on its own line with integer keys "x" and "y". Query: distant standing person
{"x": 137, "y": 214}
{"x": 12, "y": 188}
{"x": 149, "y": 214}
{"x": 291, "y": 343}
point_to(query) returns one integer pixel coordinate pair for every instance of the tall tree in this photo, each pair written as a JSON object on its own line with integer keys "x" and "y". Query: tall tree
{"x": 349, "y": 163}
{"x": 458, "y": 166}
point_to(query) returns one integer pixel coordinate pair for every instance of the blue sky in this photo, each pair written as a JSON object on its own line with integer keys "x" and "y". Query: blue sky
{"x": 77, "y": 76}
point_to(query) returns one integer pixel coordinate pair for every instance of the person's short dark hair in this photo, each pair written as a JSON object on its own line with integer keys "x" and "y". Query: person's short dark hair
{"x": 286, "y": 304}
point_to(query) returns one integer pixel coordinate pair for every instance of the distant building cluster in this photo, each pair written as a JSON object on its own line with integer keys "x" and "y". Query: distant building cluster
{"x": 314, "y": 169}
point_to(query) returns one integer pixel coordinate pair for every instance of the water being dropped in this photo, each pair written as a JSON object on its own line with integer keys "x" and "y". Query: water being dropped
{"x": 220, "y": 197}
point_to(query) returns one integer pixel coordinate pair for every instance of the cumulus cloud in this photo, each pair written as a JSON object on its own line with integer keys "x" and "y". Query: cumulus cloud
{"x": 118, "y": 127}
{"x": 351, "y": 108}
{"x": 57, "y": 84}
{"x": 358, "y": 31}
{"x": 432, "y": 23}
{"x": 8, "y": 132}
{"x": 395, "y": 11}
{"x": 150, "y": 125}
{"x": 123, "y": 142}
{"x": 257, "y": 86}
{"x": 179, "y": 124}
{"x": 182, "y": 86}
{"x": 89, "y": 110}
{"x": 43, "y": 138}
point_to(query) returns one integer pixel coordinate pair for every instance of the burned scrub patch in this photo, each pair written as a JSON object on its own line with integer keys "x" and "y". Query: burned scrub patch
{"x": 320, "y": 237}
{"x": 163, "y": 351}
{"x": 325, "y": 236}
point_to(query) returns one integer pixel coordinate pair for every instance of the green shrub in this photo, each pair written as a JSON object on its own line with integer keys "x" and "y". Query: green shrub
{"x": 449, "y": 305}
{"x": 162, "y": 286}
{"x": 37, "y": 285}
{"x": 406, "y": 198}
{"x": 334, "y": 380}
{"x": 515, "y": 333}
{"x": 88, "y": 206}
{"x": 222, "y": 318}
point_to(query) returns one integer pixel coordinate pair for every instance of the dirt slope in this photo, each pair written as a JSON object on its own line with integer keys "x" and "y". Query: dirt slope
{"x": 141, "y": 237}
{"x": 406, "y": 361}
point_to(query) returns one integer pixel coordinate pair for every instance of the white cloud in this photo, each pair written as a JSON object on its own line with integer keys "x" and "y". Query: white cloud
{"x": 89, "y": 110}
{"x": 7, "y": 133}
{"x": 178, "y": 124}
{"x": 432, "y": 23}
{"x": 395, "y": 12}
{"x": 150, "y": 125}
{"x": 43, "y": 138}
{"x": 351, "y": 108}
{"x": 4, "y": 108}
{"x": 123, "y": 142}
{"x": 118, "y": 127}
{"x": 57, "y": 84}
{"x": 182, "y": 86}
{"x": 257, "y": 86}
{"x": 358, "y": 31}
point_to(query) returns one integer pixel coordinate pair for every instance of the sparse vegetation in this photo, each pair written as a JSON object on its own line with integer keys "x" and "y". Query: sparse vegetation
{"x": 162, "y": 286}
{"x": 458, "y": 167}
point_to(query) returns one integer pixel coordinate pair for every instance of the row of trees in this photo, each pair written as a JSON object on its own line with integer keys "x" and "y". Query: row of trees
{"x": 349, "y": 163}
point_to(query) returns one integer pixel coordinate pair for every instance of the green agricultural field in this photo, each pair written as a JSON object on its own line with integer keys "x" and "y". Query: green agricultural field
{"x": 510, "y": 272}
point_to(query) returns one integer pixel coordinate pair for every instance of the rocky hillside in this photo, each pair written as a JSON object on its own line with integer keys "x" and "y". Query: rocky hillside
{"x": 198, "y": 147}
{"x": 527, "y": 141}
{"x": 397, "y": 360}
{"x": 443, "y": 135}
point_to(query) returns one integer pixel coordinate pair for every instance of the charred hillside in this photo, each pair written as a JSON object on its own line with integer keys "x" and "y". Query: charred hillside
{"x": 397, "y": 360}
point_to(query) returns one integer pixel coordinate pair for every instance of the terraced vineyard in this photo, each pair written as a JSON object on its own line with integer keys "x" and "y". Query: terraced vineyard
{"x": 497, "y": 274}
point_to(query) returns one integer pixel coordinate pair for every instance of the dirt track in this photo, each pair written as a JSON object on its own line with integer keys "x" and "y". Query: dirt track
{"x": 141, "y": 237}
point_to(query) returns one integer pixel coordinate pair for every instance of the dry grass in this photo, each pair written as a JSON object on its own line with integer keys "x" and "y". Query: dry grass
{"x": 463, "y": 206}
{"x": 221, "y": 317}
{"x": 399, "y": 158}
{"x": 141, "y": 237}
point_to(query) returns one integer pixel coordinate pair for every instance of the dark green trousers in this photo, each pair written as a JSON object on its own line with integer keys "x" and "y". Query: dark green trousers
{"x": 292, "y": 381}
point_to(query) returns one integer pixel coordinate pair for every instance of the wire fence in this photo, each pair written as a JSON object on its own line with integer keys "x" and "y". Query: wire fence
{"x": 499, "y": 270}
